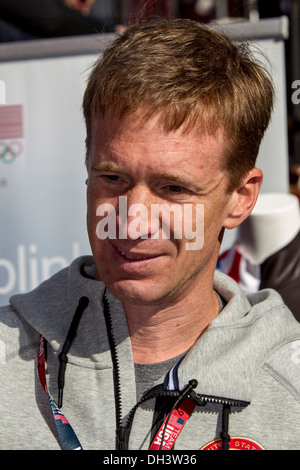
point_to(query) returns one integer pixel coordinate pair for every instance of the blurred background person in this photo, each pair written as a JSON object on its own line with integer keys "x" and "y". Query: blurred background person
{"x": 36, "y": 19}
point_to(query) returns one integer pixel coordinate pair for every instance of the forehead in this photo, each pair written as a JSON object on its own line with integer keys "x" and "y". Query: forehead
{"x": 134, "y": 134}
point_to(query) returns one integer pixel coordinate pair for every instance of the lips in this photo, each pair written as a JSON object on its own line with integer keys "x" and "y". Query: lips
{"x": 135, "y": 256}
{"x": 129, "y": 255}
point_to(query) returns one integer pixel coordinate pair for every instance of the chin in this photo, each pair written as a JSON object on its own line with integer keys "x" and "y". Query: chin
{"x": 137, "y": 292}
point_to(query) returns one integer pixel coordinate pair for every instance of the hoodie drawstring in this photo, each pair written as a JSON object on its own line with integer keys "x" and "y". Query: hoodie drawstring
{"x": 63, "y": 355}
{"x": 225, "y": 427}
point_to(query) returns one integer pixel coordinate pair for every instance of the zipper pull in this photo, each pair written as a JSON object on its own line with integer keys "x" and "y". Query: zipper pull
{"x": 122, "y": 438}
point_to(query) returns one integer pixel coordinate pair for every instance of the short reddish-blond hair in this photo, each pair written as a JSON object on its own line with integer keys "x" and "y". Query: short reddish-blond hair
{"x": 195, "y": 76}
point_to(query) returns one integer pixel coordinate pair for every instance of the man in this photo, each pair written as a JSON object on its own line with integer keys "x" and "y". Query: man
{"x": 143, "y": 345}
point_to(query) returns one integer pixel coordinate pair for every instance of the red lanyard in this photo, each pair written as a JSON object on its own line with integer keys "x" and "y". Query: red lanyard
{"x": 66, "y": 434}
{"x": 168, "y": 432}
{"x": 172, "y": 426}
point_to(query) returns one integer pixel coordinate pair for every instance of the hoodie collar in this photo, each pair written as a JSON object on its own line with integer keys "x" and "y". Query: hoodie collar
{"x": 234, "y": 346}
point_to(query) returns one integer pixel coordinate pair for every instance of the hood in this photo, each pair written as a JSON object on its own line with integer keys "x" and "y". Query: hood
{"x": 236, "y": 344}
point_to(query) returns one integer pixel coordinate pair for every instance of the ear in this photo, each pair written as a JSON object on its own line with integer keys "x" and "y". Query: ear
{"x": 244, "y": 198}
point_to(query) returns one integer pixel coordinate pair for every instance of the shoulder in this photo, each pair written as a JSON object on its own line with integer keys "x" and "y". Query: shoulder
{"x": 19, "y": 321}
{"x": 49, "y": 309}
{"x": 283, "y": 366}
{"x": 17, "y": 337}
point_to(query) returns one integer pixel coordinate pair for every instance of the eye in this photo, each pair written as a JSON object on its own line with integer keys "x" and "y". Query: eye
{"x": 111, "y": 177}
{"x": 113, "y": 182}
{"x": 175, "y": 189}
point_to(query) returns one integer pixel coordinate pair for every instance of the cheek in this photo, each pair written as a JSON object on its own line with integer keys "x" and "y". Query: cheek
{"x": 92, "y": 218}
{"x": 94, "y": 199}
{"x": 193, "y": 226}
{"x": 215, "y": 213}
{"x": 91, "y": 207}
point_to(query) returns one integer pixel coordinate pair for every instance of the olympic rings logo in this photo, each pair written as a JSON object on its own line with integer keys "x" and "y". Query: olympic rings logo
{"x": 10, "y": 150}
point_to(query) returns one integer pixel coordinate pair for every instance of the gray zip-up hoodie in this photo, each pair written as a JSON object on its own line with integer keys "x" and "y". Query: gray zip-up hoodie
{"x": 246, "y": 364}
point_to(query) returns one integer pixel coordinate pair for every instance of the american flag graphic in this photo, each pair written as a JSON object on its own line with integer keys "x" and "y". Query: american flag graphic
{"x": 11, "y": 122}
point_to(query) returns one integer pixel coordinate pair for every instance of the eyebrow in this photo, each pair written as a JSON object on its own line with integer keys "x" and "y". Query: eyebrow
{"x": 106, "y": 167}
{"x": 167, "y": 176}
{"x": 171, "y": 178}
{"x": 176, "y": 178}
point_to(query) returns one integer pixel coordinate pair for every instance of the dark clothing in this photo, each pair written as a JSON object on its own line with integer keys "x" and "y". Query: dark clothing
{"x": 29, "y": 19}
{"x": 281, "y": 272}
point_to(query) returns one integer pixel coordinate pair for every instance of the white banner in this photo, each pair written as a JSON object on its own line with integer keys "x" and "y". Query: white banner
{"x": 42, "y": 171}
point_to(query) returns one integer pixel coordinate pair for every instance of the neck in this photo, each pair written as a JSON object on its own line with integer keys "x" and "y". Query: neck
{"x": 159, "y": 333}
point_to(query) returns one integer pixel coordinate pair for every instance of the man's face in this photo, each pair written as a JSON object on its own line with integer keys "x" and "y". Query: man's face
{"x": 138, "y": 162}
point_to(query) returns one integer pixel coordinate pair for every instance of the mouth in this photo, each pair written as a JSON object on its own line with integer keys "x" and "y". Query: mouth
{"x": 134, "y": 257}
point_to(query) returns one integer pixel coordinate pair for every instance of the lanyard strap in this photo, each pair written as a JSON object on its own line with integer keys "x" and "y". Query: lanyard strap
{"x": 67, "y": 437}
{"x": 168, "y": 432}
{"x": 172, "y": 426}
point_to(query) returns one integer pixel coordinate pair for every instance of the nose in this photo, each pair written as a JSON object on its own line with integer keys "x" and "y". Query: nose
{"x": 134, "y": 217}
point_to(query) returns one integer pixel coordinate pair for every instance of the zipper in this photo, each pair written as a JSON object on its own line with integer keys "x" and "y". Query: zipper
{"x": 224, "y": 401}
{"x": 158, "y": 391}
{"x": 123, "y": 430}
{"x": 116, "y": 365}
